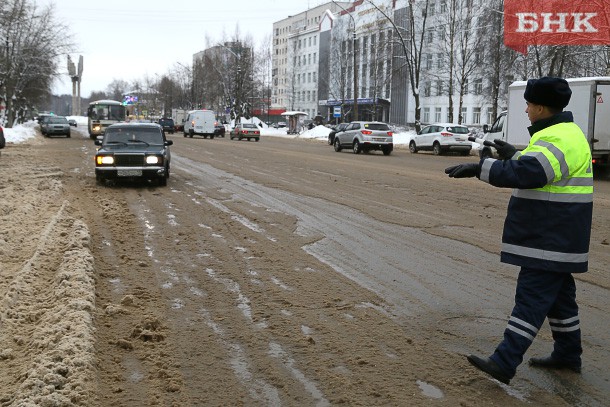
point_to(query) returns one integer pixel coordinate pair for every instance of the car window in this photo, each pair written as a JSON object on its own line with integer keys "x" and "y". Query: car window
{"x": 458, "y": 129}
{"x": 126, "y": 135}
{"x": 248, "y": 126}
{"x": 497, "y": 126}
{"x": 425, "y": 130}
{"x": 58, "y": 120}
{"x": 376, "y": 126}
{"x": 355, "y": 126}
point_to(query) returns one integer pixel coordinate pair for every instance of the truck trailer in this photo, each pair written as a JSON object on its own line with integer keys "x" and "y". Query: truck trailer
{"x": 590, "y": 105}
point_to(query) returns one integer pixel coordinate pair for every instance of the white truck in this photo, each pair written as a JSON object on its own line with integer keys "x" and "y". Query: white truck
{"x": 179, "y": 116}
{"x": 590, "y": 105}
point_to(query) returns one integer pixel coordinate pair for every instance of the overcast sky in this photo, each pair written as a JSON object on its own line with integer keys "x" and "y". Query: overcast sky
{"x": 128, "y": 39}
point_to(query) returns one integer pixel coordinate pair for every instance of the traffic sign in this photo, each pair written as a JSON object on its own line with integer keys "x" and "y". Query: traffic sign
{"x": 337, "y": 111}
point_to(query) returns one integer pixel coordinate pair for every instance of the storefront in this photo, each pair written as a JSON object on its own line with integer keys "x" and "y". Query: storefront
{"x": 369, "y": 109}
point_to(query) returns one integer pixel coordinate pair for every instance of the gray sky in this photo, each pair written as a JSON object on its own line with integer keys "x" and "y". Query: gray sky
{"x": 129, "y": 39}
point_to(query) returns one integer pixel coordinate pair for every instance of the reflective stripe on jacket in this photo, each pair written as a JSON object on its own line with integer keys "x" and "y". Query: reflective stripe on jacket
{"x": 548, "y": 222}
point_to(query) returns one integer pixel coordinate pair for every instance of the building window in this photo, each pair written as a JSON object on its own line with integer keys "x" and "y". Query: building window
{"x": 426, "y": 118}
{"x": 478, "y": 87}
{"x": 315, "y": 79}
{"x": 429, "y": 61}
{"x": 464, "y": 114}
{"x": 439, "y": 60}
{"x": 439, "y": 87}
{"x": 490, "y": 118}
{"x": 437, "y": 114}
{"x": 427, "y": 89}
{"x": 476, "y": 115}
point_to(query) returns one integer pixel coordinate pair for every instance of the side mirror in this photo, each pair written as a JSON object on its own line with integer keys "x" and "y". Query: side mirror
{"x": 97, "y": 142}
{"x": 485, "y": 128}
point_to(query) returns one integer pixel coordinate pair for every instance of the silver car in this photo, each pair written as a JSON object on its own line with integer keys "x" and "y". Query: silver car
{"x": 55, "y": 125}
{"x": 441, "y": 138}
{"x": 365, "y": 137}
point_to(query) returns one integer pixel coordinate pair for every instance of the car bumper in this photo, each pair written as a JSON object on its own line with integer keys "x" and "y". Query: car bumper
{"x": 130, "y": 172}
{"x": 457, "y": 147}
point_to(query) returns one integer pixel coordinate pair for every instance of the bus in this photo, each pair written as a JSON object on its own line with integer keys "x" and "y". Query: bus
{"x": 103, "y": 113}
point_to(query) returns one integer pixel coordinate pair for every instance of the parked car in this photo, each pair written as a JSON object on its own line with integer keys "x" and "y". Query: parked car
{"x": 245, "y": 131}
{"x": 441, "y": 138}
{"x": 336, "y": 129}
{"x": 167, "y": 125}
{"x": 219, "y": 130}
{"x": 55, "y": 126}
{"x": 280, "y": 125}
{"x": 133, "y": 150}
{"x": 42, "y": 116}
{"x": 2, "y": 139}
{"x": 365, "y": 136}
{"x": 72, "y": 122}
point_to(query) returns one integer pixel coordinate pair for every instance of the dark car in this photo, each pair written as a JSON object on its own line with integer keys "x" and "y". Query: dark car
{"x": 2, "y": 139}
{"x": 219, "y": 130}
{"x": 55, "y": 126}
{"x": 336, "y": 129}
{"x": 246, "y": 131}
{"x": 167, "y": 125}
{"x": 133, "y": 150}
{"x": 72, "y": 122}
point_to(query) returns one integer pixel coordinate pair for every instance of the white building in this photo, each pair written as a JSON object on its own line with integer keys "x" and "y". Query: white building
{"x": 295, "y": 66}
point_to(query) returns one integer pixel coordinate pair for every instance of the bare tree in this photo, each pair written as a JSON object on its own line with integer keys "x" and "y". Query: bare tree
{"x": 32, "y": 42}
{"x": 410, "y": 37}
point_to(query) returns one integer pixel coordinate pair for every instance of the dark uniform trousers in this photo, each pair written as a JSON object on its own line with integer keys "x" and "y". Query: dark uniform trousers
{"x": 541, "y": 294}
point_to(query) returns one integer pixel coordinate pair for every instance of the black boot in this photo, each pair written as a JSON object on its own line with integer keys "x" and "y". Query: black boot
{"x": 551, "y": 363}
{"x": 490, "y": 367}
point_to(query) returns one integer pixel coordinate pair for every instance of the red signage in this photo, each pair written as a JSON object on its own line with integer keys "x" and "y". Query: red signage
{"x": 556, "y": 22}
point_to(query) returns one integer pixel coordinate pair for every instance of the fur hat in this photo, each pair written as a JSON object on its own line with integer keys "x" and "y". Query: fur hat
{"x": 548, "y": 91}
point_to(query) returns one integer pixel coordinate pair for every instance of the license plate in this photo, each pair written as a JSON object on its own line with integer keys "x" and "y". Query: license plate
{"x": 379, "y": 139}
{"x": 129, "y": 173}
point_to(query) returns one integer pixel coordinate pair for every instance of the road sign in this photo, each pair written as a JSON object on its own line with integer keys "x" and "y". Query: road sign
{"x": 337, "y": 111}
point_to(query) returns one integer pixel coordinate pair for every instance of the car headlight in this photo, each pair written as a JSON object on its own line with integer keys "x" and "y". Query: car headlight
{"x": 153, "y": 159}
{"x": 104, "y": 160}
{"x": 96, "y": 127}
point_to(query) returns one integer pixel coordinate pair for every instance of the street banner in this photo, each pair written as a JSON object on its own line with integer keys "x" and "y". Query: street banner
{"x": 556, "y": 22}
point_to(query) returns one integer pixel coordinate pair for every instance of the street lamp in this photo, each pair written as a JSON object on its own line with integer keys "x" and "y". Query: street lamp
{"x": 355, "y": 61}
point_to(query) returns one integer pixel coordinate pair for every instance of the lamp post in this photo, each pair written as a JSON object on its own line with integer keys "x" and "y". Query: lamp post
{"x": 355, "y": 61}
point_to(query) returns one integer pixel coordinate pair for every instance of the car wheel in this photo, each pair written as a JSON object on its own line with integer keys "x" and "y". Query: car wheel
{"x": 436, "y": 149}
{"x": 212, "y": 137}
{"x": 386, "y": 150}
{"x": 249, "y": 139}
{"x": 185, "y": 134}
{"x": 257, "y": 139}
{"x": 162, "y": 180}
{"x": 356, "y": 147}
{"x": 330, "y": 140}
{"x": 412, "y": 147}
{"x": 337, "y": 145}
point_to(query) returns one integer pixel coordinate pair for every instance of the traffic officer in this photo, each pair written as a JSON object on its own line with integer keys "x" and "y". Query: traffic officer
{"x": 546, "y": 231}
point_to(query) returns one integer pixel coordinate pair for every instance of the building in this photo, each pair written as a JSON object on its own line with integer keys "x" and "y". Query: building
{"x": 296, "y": 59}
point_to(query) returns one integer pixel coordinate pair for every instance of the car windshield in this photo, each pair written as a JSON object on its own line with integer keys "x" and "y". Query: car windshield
{"x": 458, "y": 130}
{"x": 133, "y": 135}
{"x": 248, "y": 126}
{"x": 376, "y": 126}
{"x": 58, "y": 120}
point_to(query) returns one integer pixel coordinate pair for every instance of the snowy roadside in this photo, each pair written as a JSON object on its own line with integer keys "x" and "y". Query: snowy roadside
{"x": 47, "y": 288}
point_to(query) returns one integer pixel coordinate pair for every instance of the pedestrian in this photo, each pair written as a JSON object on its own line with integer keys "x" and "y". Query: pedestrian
{"x": 546, "y": 231}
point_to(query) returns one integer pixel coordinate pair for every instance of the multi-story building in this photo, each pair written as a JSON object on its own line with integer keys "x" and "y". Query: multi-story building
{"x": 296, "y": 59}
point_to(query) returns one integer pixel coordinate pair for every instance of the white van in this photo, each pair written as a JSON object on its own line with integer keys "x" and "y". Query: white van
{"x": 200, "y": 122}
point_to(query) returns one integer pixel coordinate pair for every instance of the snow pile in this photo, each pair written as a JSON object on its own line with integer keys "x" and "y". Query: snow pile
{"x": 20, "y": 133}
{"x": 47, "y": 290}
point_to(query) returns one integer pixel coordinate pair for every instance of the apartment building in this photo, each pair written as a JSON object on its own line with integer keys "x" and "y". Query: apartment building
{"x": 296, "y": 59}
